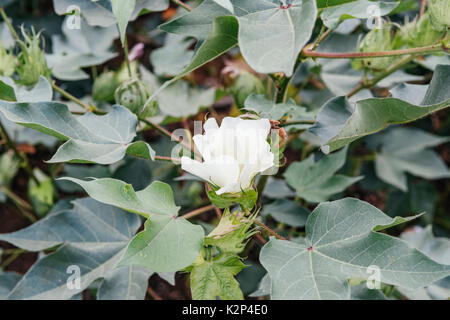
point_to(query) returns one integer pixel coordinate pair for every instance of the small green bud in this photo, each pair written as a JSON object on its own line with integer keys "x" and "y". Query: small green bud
{"x": 376, "y": 40}
{"x": 132, "y": 94}
{"x": 419, "y": 33}
{"x": 32, "y": 63}
{"x": 246, "y": 84}
{"x": 440, "y": 13}
{"x": 105, "y": 86}
{"x": 42, "y": 194}
{"x": 123, "y": 75}
{"x": 7, "y": 62}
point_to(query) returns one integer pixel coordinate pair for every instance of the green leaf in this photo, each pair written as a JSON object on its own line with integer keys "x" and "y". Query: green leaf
{"x": 287, "y": 211}
{"x": 80, "y": 48}
{"x": 266, "y": 108}
{"x": 178, "y": 99}
{"x": 317, "y": 181}
{"x": 197, "y": 23}
{"x": 173, "y": 57}
{"x": 271, "y": 37}
{"x": 226, "y": 4}
{"x": 397, "y": 157}
{"x": 341, "y": 243}
{"x": 93, "y": 237}
{"x": 123, "y": 10}
{"x": 8, "y": 281}
{"x": 339, "y": 123}
{"x": 89, "y": 138}
{"x": 156, "y": 199}
{"x": 438, "y": 249}
{"x": 223, "y": 36}
{"x": 99, "y": 13}
{"x": 215, "y": 278}
{"x": 332, "y": 16}
{"x": 264, "y": 26}
{"x": 7, "y": 92}
{"x": 361, "y": 292}
{"x": 128, "y": 283}
{"x": 168, "y": 243}
{"x": 81, "y": 172}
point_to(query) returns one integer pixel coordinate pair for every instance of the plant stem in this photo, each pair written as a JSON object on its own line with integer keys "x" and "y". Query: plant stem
{"x": 361, "y": 55}
{"x": 15, "y": 198}
{"x": 286, "y": 124}
{"x": 8, "y": 23}
{"x": 71, "y": 97}
{"x": 170, "y": 135}
{"x": 198, "y": 211}
{"x": 168, "y": 159}
{"x": 370, "y": 83}
{"x": 259, "y": 223}
{"x": 322, "y": 35}
{"x": 181, "y": 4}
{"x": 125, "y": 51}
{"x": 8, "y": 261}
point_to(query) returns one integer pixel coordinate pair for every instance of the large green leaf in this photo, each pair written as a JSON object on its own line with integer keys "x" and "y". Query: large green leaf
{"x": 397, "y": 157}
{"x": 339, "y": 122}
{"x": 215, "y": 278}
{"x": 317, "y": 181}
{"x": 123, "y": 10}
{"x": 80, "y": 48}
{"x": 222, "y": 37}
{"x": 89, "y": 138}
{"x": 99, "y": 13}
{"x": 342, "y": 242}
{"x": 178, "y": 99}
{"x": 438, "y": 249}
{"x": 287, "y": 211}
{"x": 8, "y": 281}
{"x": 271, "y": 37}
{"x": 156, "y": 199}
{"x": 332, "y": 16}
{"x": 128, "y": 283}
{"x": 93, "y": 237}
{"x": 168, "y": 243}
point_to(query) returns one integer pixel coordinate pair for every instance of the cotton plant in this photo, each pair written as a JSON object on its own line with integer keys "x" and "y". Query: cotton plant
{"x": 274, "y": 172}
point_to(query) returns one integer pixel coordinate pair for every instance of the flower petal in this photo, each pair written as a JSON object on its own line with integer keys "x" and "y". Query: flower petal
{"x": 195, "y": 167}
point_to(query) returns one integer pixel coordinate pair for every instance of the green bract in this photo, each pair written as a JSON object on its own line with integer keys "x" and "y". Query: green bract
{"x": 420, "y": 32}
{"x": 32, "y": 63}
{"x": 440, "y": 13}
{"x": 378, "y": 39}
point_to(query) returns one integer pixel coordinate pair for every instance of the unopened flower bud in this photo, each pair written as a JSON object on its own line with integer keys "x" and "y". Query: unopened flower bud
{"x": 105, "y": 86}
{"x": 419, "y": 33}
{"x": 7, "y": 62}
{"x": 32, "y": 63}
{"x": 133, "y": 95}
{"x": 376, "y": 40}
{"x": 440, "y": 13}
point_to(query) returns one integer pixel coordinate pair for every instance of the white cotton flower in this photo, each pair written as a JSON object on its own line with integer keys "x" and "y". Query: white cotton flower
{"x": 233, "y": 154}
